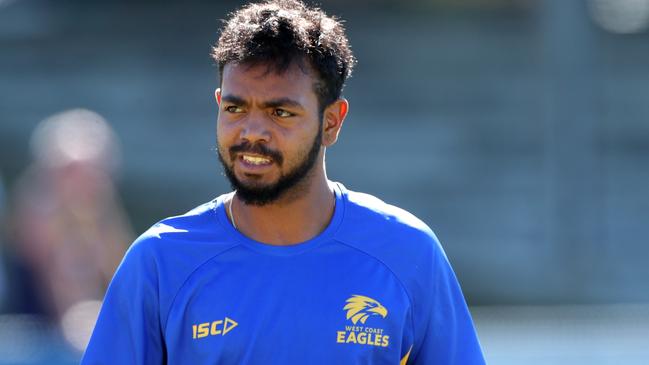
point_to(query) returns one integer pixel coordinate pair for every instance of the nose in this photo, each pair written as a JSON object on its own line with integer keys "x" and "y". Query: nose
{"x": 256, "y": 129}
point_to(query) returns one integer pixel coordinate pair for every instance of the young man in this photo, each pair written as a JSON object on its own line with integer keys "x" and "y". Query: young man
{"x": 290, "y": 268}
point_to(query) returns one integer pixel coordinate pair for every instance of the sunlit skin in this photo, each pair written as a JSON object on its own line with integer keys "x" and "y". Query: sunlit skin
{"x": 281, "y": 112}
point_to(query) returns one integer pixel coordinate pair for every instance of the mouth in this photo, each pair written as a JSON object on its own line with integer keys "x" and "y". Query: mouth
{"x": 255, "y": 160}
{"x": 254, "y": 164}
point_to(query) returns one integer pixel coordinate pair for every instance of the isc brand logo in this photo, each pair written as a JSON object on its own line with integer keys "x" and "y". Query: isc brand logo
{"x": 220, "y": 327}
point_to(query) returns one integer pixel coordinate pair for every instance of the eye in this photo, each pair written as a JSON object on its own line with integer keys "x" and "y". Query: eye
{"x": 282, "y": 113}
{"x": 233, "y": 109}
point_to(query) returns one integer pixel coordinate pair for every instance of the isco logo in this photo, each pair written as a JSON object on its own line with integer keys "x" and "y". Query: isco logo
{"x": 220, "y": 327}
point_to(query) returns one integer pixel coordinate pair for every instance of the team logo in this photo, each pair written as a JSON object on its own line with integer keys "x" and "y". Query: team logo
{"x": 359, "y": 309}
{"x": 220, "y": 327}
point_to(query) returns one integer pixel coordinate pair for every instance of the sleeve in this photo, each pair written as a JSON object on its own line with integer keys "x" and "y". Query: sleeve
{"x": 444, "y": 331}
{"x": 128, "y": 330}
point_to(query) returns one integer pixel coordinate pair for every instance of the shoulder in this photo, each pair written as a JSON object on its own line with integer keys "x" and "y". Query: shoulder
{"x": 174, "y": 247}
{"x": 396, "y": 238}
{"x": 373, "y": 225}
{"x": 366, "y": 206}
{"x": 174, "y": 235}
{"x": 164, "y": 256}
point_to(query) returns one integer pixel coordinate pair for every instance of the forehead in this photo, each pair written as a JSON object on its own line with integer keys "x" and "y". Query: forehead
{"x": 261, "y": 81}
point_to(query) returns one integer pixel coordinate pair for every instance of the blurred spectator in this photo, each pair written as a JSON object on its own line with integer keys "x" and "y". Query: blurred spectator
{"x": 70, "y": 229}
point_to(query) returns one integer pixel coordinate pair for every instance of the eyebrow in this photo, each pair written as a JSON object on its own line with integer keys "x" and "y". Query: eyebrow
{"x": 234, "y": 99}
{"x": 273, "y": 103}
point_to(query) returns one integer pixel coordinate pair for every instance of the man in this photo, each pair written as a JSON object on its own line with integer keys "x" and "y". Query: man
{"x": 290, "y": 268}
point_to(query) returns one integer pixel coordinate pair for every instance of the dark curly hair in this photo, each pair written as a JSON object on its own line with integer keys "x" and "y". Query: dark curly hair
{"x": 280, "y": 32}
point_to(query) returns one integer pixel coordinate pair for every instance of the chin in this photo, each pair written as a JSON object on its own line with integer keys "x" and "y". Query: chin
{"x": 255, "y": 182}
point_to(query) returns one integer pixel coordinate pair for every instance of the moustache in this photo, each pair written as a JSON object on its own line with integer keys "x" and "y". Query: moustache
{"x": 257, "y": 149}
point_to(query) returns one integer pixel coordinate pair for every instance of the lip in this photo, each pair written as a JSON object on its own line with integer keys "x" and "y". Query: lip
{"x": 247, "y": 167}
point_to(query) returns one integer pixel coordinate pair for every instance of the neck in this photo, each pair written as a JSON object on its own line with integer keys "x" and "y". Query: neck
{"x": 292, "y": 219}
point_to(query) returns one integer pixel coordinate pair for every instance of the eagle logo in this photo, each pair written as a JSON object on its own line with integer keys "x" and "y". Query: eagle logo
{"x": 360, "y": 307}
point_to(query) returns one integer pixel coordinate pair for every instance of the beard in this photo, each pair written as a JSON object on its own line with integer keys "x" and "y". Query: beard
{"x": 260, "y": 195}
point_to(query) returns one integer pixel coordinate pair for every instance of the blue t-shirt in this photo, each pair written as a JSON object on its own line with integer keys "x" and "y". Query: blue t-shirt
{"x": 374, "y": 287}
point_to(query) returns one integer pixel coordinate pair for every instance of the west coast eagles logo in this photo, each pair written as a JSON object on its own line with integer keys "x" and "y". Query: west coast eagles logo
{"x": 358, "y": 309}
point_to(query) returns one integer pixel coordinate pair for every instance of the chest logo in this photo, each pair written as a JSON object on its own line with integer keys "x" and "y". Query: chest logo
{"x": 358, "y": 309}
{"x": 220, "y": 327}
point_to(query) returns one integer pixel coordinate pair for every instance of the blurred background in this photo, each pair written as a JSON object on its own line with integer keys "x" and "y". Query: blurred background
{"x": 517, "y": 129}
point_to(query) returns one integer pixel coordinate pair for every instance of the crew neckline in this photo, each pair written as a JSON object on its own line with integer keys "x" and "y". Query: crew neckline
{"x": 285, "y": 250}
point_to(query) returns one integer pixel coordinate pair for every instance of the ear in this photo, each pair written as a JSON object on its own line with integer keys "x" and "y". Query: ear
{"x": 334, "y": 116}
{"x": 217, "y": 94}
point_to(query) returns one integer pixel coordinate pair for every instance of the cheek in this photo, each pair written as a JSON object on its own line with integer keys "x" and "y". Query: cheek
{"x": 298, "y": 151}
{"x": 223, "y": 143}
{"x": 223, "y": 132}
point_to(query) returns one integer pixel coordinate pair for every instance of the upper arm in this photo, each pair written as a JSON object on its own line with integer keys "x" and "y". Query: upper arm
{"x": 443, "y": 326}
{"x": 128, "y": 329}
